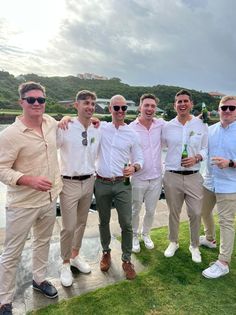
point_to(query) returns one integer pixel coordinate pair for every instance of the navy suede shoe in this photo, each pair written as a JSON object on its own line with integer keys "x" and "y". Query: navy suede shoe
{"x": 46, "y": 288}
{"x": 6, "y": 309}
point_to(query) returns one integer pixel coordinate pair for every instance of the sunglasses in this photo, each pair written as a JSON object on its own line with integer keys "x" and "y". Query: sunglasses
{"x": 117, "y": 108}
{"x": 85, "y": 138}
{"x": 230, "y": 107}
{"x": 31, "y": 100}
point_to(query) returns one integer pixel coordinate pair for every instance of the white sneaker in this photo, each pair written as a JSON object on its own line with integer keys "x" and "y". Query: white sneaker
{"x": 80, "y": 264}
{"x": 66, "y": 275}
{"x": 204, "y": 242}
{"x": 216, "y": 270}
{"x": 196, "y": 255}
{"x": 147, "y": 241}
{"x": 171, "y": 249}
{"x": 135, "y": 245}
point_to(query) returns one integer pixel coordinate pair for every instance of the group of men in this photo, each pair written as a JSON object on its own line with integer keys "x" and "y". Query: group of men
{"x": 29, "y": 166}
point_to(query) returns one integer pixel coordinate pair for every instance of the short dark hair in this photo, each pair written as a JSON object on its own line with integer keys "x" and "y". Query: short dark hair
{"x": 184, "y": 92}
{"x": 28, "y": 86}
{"x": 149, "y": 95}
{"x": 84, "y": 94}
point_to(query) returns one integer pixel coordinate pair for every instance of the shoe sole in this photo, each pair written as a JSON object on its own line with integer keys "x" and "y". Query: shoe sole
{"x": 67, "y": 285}
{"x": 48, "y": 296}
{"x": 136, "y": 251}
{"x": 148, "y": 247}
{"x": 207, "y": 277}
{"x": 77, "y": 270}
{"x": 211, "y": 247}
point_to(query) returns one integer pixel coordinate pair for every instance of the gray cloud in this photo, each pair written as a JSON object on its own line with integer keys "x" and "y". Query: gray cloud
{"x": 188, "y": 43}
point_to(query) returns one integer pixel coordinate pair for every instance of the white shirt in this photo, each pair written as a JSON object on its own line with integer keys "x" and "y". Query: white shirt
{"x": 77, "y": 159}
{"x": 118, "y": 147}
{"x": 222, "y": 142}
{"x": 151, "y": 145}
{"x": 194, "y": 133}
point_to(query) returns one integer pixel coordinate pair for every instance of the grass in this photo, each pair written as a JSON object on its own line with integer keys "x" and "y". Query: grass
{"x": 169, "y": 286}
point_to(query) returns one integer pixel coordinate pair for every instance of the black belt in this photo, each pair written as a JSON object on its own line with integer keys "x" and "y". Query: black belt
{"x": 82, "y": 177}
{"x": 111, "y": 179}
{"x": 184, "y": 172}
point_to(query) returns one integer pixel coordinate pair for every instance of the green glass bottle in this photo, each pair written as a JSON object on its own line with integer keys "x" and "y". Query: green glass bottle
{"x": 126, "y": 179}
{"x": 204, "y": 113}
{"x": 185, "y": 152}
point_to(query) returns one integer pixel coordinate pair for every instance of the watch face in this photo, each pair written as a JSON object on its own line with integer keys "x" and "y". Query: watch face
{"x": 231, "y": 163}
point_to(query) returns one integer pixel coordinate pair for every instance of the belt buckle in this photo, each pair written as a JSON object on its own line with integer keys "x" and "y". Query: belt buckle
{"x": 113, "y": 179}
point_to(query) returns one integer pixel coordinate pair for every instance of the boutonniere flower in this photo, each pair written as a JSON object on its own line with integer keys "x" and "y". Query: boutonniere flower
{"x": 92, "y": 140}
{"x": 192, "y": 133}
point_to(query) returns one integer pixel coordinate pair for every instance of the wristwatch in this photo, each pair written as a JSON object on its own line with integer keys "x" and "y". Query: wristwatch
{"x": 231, "y": 163}
{"x": 136, "y": 168}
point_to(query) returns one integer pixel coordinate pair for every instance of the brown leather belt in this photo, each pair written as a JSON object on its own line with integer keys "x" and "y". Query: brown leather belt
{"x": 184, "y": 172}
{"x": 82, "y": 177}
{"x": 111, "y": 179}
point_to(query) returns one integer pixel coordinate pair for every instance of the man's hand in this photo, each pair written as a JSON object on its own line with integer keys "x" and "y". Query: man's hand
{"x": 40, "y": 183}
{"x": 64, "y": 122}
{"x": 188, "y": 162}
{"x": 220, "y": 162}
{"x": 128, "y": 171}
{"x": 95, "y": 121}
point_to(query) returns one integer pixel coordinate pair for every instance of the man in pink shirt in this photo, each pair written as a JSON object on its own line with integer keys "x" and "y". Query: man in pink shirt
{"x": 147, "y": 183}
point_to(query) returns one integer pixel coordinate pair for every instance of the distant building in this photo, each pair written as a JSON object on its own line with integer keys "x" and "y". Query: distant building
{"x": 216, "y": 94}
{"x": 91, "y": 76}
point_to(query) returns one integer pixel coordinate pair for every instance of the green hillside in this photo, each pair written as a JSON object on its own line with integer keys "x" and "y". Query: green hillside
{"x": 64, "y": 88}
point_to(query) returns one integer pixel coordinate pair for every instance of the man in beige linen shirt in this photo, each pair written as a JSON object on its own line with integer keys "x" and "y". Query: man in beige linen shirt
{"x": 29, "y": 167}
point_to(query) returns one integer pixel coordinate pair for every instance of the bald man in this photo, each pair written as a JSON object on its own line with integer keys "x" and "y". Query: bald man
{"x": 119, "y": 146}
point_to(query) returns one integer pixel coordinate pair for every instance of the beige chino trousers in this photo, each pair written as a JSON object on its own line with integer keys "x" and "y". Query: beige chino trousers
{"x": 18, "y": 224}
{"x": 226, "y": 210}
{"x": 180, "y": 188}
{"x": 208, "y": 204}
{"x": 75, "y": 201}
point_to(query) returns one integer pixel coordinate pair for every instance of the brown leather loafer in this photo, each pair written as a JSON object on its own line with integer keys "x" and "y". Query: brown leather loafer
{"x": 129, "y": 270}
{"x": 105, "y": 262}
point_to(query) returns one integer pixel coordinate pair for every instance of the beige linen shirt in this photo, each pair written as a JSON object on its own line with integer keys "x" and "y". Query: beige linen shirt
{"x": 25, "y": 152}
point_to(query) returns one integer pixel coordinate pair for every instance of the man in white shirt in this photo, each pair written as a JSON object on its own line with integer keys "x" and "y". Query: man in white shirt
{"x": 147, "y": 183}
{"x": 182, "y": 181}
{"x": 78, "y": 151}
{"x": 220, "y": 184}
{"x": 119, "y": 145}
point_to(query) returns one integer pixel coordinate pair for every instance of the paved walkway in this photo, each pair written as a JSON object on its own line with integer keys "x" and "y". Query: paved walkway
{"x": 26, "y": 299}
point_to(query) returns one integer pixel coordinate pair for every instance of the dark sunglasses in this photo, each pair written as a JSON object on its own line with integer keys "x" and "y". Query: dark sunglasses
{"x": 230, "y": 107}
{"x": 117, "y": 108}
{"x": 85, "y": 139}
{"x": 31, "y": 100}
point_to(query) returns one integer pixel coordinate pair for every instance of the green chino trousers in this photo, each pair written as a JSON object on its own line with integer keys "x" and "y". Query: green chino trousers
{"x": 106, "y": 193}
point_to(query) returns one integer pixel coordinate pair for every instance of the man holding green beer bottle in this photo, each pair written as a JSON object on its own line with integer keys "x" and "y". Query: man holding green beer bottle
{"x": 119, "y": 146}
{"x": 185, "y": 137}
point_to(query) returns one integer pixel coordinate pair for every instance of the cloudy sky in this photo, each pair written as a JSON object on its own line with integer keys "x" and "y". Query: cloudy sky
{"x": 188, "y": 43}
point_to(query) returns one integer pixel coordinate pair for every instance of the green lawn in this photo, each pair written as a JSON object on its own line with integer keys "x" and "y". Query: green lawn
{"x": 169, "y": 286}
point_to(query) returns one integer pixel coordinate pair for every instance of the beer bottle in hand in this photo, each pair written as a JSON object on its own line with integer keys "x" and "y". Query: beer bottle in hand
{"x": 204, "y": 113}
{"x": 126, "y": 179}
{"x": 185, "y": 152}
